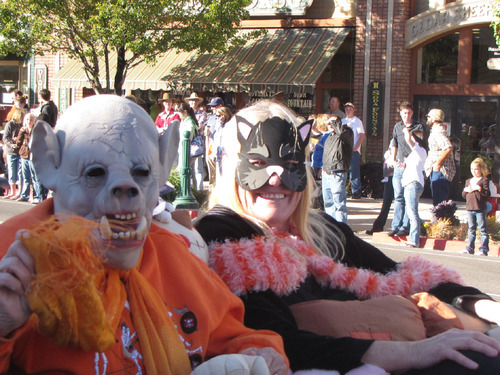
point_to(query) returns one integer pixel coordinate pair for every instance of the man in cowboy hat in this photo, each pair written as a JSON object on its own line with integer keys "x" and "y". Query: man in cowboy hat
{"x": 197, "y": 162}
{"x": 167, "y": 116}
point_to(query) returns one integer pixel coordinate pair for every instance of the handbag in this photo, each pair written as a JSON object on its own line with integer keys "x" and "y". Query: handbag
{"x": 24, "y": 151}
{"x": 198, "y": 145}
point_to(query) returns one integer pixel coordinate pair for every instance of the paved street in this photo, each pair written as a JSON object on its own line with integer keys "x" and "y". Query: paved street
{"x": 479, "y": 272}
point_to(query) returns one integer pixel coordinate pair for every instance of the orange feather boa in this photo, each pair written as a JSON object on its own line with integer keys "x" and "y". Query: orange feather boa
{"x": 269, "y": 263}
{"x": 78, "y": 301}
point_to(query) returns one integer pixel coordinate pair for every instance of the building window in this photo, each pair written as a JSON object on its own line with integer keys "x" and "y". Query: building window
{"x": 438, "y": 61}
{"x": 9, "y": 80}
{"x": 484, "y": 48}
{"x": 341, "y": 67}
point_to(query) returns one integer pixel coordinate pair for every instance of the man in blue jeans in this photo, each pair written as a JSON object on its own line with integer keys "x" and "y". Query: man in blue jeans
{"x": 333, "y": 155}
{"x": 400, "y": 223}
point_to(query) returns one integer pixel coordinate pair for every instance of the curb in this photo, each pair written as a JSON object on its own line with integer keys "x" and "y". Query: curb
{"x": 431, "y": 243}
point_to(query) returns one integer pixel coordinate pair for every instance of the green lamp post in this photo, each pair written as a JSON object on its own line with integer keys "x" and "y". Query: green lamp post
{"x": 185, "y": 198}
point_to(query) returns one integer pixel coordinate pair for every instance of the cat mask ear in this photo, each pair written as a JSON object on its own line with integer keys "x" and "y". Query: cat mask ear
{"x": 272, "y": 146}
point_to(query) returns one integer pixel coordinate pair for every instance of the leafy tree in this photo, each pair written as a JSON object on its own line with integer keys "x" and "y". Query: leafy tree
{"x": 138, "y": 30}
{"x": 496, "y": 23}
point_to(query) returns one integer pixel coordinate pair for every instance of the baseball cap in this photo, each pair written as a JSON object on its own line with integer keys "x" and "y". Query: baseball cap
{"x": 216, "y": 101}
{"x": 349, "y": 104}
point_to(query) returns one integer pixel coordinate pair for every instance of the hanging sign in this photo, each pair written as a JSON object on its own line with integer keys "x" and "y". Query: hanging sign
{"x": 375, "y": 105}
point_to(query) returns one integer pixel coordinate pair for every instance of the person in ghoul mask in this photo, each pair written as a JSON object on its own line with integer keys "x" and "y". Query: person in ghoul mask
{"x": 89, "y": 284}
{"x": 339, "y": 303}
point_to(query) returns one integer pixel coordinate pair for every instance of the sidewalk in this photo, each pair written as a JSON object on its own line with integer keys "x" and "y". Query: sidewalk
{"x": 361, "y": 213}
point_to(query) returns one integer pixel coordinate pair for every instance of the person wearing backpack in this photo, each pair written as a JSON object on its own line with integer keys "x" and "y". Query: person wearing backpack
{"x": 333, "y": 154}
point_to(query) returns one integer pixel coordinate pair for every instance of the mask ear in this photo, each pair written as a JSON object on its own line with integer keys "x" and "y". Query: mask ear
{"x": 304, "y": 131}
{"x": 46, "y": 153}
{"x": 244, "y": 128}
{"x": 169, "y": 149}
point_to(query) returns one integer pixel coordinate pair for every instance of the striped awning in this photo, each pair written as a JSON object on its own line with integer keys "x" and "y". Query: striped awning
{"x": 288, "y": 60}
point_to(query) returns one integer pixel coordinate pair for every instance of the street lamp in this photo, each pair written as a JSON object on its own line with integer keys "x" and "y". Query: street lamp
{"x": 185, "y": 198}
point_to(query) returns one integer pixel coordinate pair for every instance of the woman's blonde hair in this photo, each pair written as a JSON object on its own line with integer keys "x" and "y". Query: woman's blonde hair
{"x": 311, "y": 226}
{"x": 18, "y": 116}
{"x": 322, "y": 122}
{"x": 224, "y": 111}
{"x": 485, "y": 171}
{"x": 27, "y": 118}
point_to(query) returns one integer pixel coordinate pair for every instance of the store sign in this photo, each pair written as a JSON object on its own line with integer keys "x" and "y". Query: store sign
{"x": 40, "y": 78}
{"x": 300, "y": 102}
{"x": 274, "y": 7}
{"x": 493, "y": 63}
{"x": 454, "y": 15}
{"x": 375, "y": 103}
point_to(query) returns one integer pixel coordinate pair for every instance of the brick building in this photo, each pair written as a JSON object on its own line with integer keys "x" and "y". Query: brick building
{"x": 373, "y": 53}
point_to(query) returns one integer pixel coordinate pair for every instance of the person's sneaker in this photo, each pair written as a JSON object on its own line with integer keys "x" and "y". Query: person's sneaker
{"x": 35, "y": 200}
{"x": 482, "y": 253}
{"x": 392, "y": 233}
{"x": 356, "y": 196}
{"x": 410, "y": 245}
{"x": 402, "y": 233}
{"x": 466, "y": 252}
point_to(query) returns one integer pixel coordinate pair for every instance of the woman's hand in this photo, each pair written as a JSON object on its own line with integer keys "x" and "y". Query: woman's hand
{"x": 275, "y": 361}
{"x": 16, "y": 272}
{"x": 394, "y": 356}
{"x": 431, "y": 351}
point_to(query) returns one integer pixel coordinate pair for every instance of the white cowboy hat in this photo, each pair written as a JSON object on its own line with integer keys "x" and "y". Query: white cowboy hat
{"x": 194, "y": 96}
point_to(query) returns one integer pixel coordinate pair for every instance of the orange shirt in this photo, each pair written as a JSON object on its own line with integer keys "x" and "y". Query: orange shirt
{"x": 207, "y": 315}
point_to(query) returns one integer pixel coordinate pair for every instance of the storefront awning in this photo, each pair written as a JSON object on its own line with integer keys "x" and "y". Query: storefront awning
{"x": 143, "y": 76}
{"x": 288, "y": 60}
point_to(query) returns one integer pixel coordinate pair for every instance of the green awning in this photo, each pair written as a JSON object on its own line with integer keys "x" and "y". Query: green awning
{"x": 288, "y": 60}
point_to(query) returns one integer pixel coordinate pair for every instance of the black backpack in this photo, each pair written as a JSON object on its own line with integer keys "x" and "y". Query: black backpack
{"x": 337, "y": 151}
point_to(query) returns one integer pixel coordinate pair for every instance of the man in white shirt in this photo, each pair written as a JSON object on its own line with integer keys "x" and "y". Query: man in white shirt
{"x": 359, "y": 136}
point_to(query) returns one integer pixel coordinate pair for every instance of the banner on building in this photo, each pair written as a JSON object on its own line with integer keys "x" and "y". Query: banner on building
{"x": 375, "y": 108}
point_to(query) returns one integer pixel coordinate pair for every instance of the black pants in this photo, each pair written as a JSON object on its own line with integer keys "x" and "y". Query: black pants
{"x": 379, "y": 223}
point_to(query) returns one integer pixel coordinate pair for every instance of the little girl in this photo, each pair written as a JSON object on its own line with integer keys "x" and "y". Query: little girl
{"x": 476, "y": 194}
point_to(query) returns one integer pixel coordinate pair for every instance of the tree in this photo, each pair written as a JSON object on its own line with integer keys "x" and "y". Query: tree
{"x": 496, "y": 23}
{"x": 138, "y": 30}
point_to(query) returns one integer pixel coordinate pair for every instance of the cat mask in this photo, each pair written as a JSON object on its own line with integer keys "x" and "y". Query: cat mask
{"x": 279, "y": 145}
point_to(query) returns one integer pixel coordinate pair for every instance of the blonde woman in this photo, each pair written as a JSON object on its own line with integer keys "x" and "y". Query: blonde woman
{"x": 276, "y": 253}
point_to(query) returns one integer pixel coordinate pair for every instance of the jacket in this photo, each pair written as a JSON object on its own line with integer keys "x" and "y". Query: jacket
{"x": 476, "y": 200}
{"x": 266, "y": 309}
{"x": 333, "y": 152}
{"x": 48, "y": 113}
{"x": 208, "y": 317}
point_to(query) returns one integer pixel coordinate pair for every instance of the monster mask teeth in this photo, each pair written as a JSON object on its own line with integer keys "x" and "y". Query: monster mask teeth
{"x": 108, "y": 234}
{"x": 142, "y": 228}
{"x": 105, "y": 228}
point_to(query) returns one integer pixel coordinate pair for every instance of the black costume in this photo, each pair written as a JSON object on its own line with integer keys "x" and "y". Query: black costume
{"x": 268, "y": 310}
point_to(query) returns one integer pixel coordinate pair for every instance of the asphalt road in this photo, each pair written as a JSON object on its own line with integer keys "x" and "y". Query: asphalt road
{"x": 480, "y": 272}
